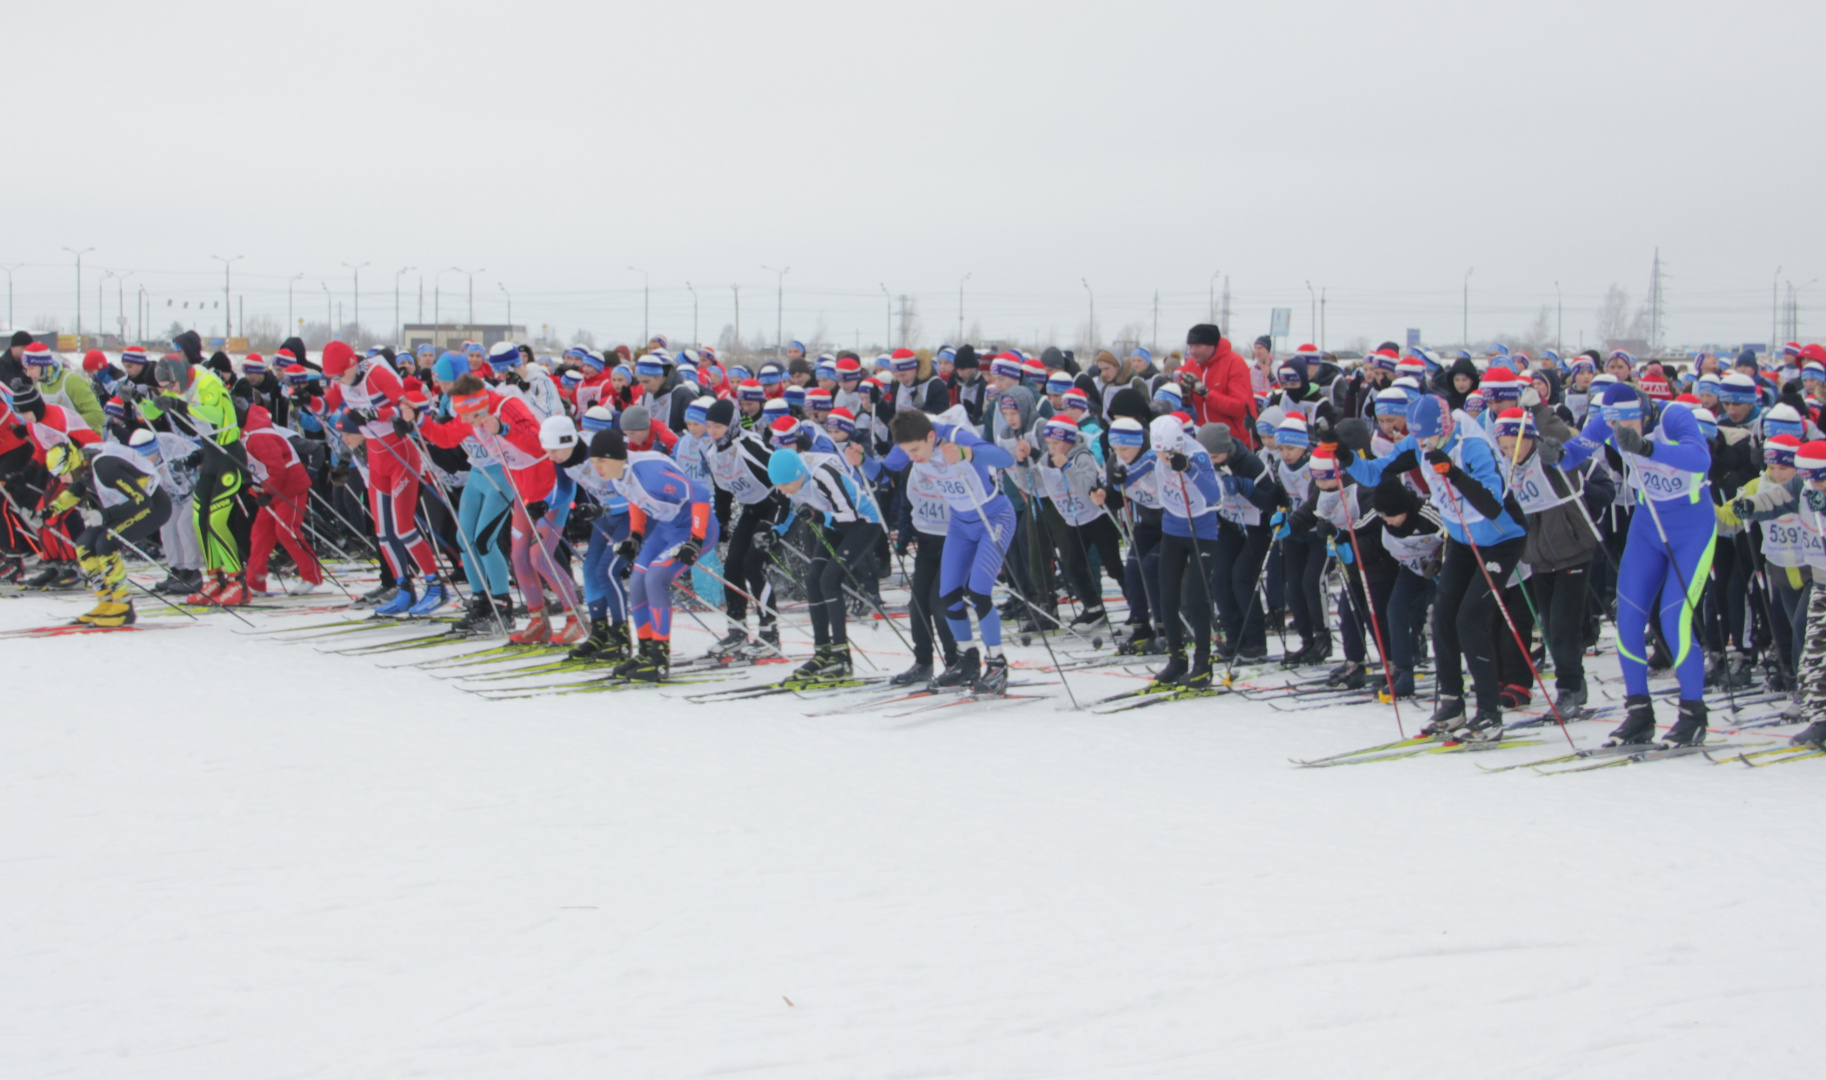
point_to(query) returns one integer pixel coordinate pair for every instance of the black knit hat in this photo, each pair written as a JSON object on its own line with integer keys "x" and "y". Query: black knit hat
{"x": 1129, "y": 402}
{"x": 1395, "y": 497}
{"x": 21, "y": 337}
{"x": 609, "y": 444}
{"x": 966, "y": 358}
{"x": 722, "y": 411}
{"x": 26, "y": 396}
{"x": 1204, "y": 334}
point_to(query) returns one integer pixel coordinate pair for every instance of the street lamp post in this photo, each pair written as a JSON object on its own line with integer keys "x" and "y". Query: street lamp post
{"x": 356, "y": 271}
{"x": 227, "y": 300}
{"x": 329, "y": 311}
{"x": 737, "y": 290}
{"x": 472, "y": 288}
{"x": 646, "y": 309}
{"x": 1464, "y": 331}
{"x": 10, "y": 324}
{"x": 779, "y": 310}
{"x": 1093, "y": 313}
{"x": 140, "y": 304}
{"x": 1312, "y": 318}
{"x": 293, "y": 280}
{"x": 79, "y": 255}
{"x": 1559, "y": 319}
{"x": 1775, "y": 308}
{"x": 510, "y": 306}
{"x": 888, "y": 297}
{"x": 101, "y": 302}
{"x": 696, "y": 342}
{"x": 1214, "y": 278}
{"x": 399, "y": 330}
{"x": 960, "y": 306}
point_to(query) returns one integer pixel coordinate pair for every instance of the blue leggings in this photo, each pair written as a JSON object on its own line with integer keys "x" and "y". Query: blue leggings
{"x": 602, "y": 587}
{"x": 1650, "y": 576}
{"x": 972, "y": 561}
{"x": 650, "y": 586}
{"x": 484, "y": 512}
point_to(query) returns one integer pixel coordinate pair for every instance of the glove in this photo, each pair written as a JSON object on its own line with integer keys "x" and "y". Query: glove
{"x": 585, "y": 512}
{"x": 175, "y": 404}
{"x": 339, "y": 475}
{"x": 1345, "y": 455}
{"x": 1530, "y": 398}
{"x": 362, "y": 416}
{"x": 1119, "y": 473}
{"x": 688, "y": 551}
{"x": 1323, "y": 434}
{"x": 401, "y": 427}
{"x": 1440, "y": 461}
{"x": 1816, "y": 500}
{"x": 626, "y": 571}
{"x": 192, "y": 459}
{"x": 1631, "y": 441}
{"x": 1229, "y": 483}
{"x": 1178, "y": 462}
{"x": 536, "y": 509}
{"x": 1189, "y": 385}
{"x": 1743, "y": 508}
{"x": 765, "y": 539}
{"x": 1279, "y": 524}
{"x": 629, "y": 549}
{"x": 514, "y": 380}
{"x": 1341, "y": 552}
{"x": 1302, "y": 520}
{"x": 20, "y": 431}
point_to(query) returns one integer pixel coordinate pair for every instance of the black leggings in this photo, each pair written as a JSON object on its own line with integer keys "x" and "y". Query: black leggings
{"x": 1241, "y": 551}
{"x": 1304, "y": 561}
{"x": 1560, "y": 597}
{"x": 746, "y": 563}
{"x": 852, "y": 541}
{"x": 1141, "y": 574}
{"x": 927, "y": 607}
{"x": 1182, "y": 589}
{"x": 1463, "y": 612}
{"x": 1100, "y": 534}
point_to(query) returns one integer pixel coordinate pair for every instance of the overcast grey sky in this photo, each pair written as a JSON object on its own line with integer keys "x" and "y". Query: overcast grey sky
{"x": 1377, "y": 150}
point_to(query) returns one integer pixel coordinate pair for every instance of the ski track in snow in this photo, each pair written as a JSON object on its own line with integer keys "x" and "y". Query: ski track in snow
{"x": 227, "y": 856}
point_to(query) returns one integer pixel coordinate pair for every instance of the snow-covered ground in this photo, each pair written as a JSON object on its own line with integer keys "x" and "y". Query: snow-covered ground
{"x": 228, "y": 856}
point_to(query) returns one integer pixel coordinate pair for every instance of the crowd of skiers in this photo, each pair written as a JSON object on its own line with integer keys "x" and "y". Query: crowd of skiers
{"x": 1494, "y": 510}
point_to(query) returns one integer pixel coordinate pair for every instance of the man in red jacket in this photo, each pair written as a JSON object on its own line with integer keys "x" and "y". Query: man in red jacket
{"x": 1215, "y": 380}
{"x": 281, "y": 489}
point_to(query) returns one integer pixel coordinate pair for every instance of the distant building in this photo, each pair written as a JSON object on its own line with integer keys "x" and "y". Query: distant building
{"x": 450, "y": 336}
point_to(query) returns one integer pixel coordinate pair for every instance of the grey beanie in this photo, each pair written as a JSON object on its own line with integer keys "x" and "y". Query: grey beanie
{"x": 636, "y": 418}
{"x": 1215, "y": 438}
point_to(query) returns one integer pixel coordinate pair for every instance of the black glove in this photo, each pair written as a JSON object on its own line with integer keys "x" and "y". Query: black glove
{"x": 1631, "y": 441}
{"x": 262, "y": 501}
{"x": 339, "y": 475}
{"x": 585, "y": 512}
{"x": 1743, "y": 508}
{"x": 626, "y": 571}
{"x": 1345, "y": 455}
{"x": 1437, "y": 458}
{"x": 765, "y": 539}
{"x": 20, "y": 431}
{"x": 361, "y": 416}
{"x": 513, "y": 379}
{"x": 402, "y": 427}
{"x": 1303, "y": 519}
{"x": 192, "y": 459}
{"x": 903, "y": 543}
{"x": 630, "y": 548}
{"x": 175, "y": 404}
{"x": 1119, "y": 473}
{"x": 1323, "y": 434}
{"x": 688, "y": 551}
{"x": 536, "y": 509}
{"x": 1178, "y": 462}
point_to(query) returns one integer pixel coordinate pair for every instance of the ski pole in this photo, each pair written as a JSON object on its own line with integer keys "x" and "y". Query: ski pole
{"x": 1369, "y": 601}
{"x": 135, "y": 549}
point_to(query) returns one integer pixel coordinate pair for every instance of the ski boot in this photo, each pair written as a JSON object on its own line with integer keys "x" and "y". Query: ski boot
{"x": 401, "y": 603}
{"x": 616, "y": 646}
{"x": 1088, "y": 616}
{"x": 479, "y": 615}
{"x": 234, "y": 594}
{"x": 1515, "y": 696}
{"x": 729, "y": 644}
{"x": 301, "y": 587}
{"x": 537, "y": 631}
{"x": 1447, "y": 718}
{"x": 1814, "y": 735}
{"x": 1140, "y": 643}
{"x": 1199, "y": 677}
{"x": 573, "y": 632}
{"x": 1570, "y": 704}
{"x": 1350, "y": 675}
{"x": 962, "y": 673}
{"x": 590, "y": 648}
{"x": 111, "y": 609}
{"x": 1485, "y": 727}
{"x": 436, "y": 596}
{"x": 1252, "y": 654}
{"x": 1298, "y": 658}
{"x": 12, "y": 571}
{"x": 1175, "y": 670}
{"x": 258, "y": 587}
{"x": 44, "y": 578}
{"x": 1740, "y": 671}
{"x": 180, "y": 583}
{"x": 210, "y": 594}
{"x": 1336, "y": 676}
{"x": 1689, "y": 728}
{"x": 653, "y": 663}
{"x": 993, "y": 681}
{"x": 375, "y": 597}
{"x": 1403, "y": 678}
{"x": 1638, "y": 725}
{"x": 830, "y": 662}
{"x": 917, "y": 675}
